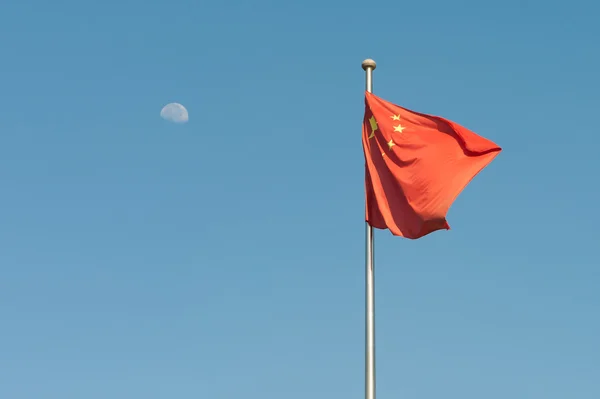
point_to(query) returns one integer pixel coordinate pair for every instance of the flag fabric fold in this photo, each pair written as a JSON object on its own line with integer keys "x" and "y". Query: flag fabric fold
{"x": 415, "y": 167}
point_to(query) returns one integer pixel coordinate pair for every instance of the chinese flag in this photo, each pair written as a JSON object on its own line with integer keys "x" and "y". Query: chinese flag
{"x": 416, "y": 165}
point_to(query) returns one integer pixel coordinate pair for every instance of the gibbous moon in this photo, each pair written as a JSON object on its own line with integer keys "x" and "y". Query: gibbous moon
{"x": 174, "y": 112}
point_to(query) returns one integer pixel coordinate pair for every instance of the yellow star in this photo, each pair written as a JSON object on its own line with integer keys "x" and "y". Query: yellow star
{"x": 373, "y": 123}
{"x": 399, "y": 128}
{"x": 395, "y": 117}
{"x": 391, "y": 144}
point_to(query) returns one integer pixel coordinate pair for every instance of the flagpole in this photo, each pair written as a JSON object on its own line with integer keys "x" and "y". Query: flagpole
{"x": 369, "y": 65}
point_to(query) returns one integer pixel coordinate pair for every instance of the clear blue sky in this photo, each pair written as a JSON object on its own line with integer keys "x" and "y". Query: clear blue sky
{"x": 224, "y": 258}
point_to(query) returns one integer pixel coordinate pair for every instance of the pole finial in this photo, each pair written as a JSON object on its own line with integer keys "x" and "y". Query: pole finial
{"x": 369, "y": 63}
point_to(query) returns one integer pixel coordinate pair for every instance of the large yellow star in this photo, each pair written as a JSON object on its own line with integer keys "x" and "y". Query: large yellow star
{"x": 399, "y": 128}
{"x": 395, "y": 117}
{"x": 373, "y": 123}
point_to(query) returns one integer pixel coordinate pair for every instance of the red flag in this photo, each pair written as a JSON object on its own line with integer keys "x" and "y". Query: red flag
{"x": 416, "y": 165}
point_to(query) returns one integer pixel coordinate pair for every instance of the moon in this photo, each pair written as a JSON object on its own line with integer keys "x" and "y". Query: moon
{"x": 174, "y": 112}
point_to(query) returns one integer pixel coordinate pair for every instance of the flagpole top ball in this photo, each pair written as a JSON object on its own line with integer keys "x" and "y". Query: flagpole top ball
{"x": 368, "y": 63}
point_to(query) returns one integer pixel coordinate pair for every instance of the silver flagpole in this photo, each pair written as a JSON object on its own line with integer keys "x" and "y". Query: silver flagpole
{"x": 369, "y": 65}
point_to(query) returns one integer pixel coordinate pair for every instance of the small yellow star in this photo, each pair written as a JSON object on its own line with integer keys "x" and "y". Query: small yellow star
{"x": 373, "y": 123}
{"x": 391, "y": 144}
{"x": 399, "y": 128}
{"x": 395, "y": 117}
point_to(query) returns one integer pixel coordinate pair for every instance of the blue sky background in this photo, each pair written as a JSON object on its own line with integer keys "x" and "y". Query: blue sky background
{"x": 224, "y": 258}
